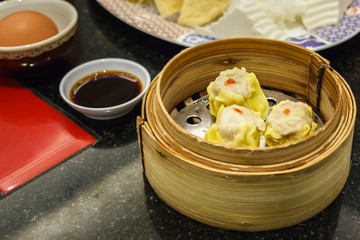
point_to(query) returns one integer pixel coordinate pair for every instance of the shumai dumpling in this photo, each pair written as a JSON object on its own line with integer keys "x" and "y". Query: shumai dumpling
{"x": 236, "y": 86}
{"x": 287, "y": 122}
{"x": 236, "y": 126}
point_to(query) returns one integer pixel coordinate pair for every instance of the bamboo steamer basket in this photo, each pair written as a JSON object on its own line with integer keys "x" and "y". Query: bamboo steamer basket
{"x": 248, "y": 188}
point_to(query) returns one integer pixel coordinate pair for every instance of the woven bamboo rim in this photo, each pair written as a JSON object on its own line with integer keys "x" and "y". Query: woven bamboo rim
{"x": 248, "y": 189}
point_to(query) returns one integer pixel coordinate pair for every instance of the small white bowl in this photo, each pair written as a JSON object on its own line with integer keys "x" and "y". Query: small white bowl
{"x": 32, "y": 56}
{"x": 115, "y": 64}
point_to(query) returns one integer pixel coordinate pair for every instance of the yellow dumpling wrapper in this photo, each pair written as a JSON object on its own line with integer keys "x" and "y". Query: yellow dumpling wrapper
{"x": 139, "y": 1}
{"x": 236, "y": 86}
{"x": 168, "y": 8}
{"x": 236, "y": 126}
{"x": 200, "y": 12}
{"x": 289, "y": 121}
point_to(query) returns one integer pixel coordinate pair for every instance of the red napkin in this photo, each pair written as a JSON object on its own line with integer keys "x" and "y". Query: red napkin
{"x": 33, "y": 135}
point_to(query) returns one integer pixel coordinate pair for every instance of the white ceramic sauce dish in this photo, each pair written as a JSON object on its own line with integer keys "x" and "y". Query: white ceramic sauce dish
{"x": 107, "y": 64}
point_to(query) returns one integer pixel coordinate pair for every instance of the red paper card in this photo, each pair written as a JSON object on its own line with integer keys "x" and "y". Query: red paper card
{"x": 33, "y": 135}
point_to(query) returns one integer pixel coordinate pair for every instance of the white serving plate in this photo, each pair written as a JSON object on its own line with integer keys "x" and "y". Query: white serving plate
{"x": 146, "y": 18}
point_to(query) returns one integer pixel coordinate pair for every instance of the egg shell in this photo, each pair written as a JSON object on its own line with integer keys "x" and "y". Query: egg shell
{"x": 26, "y": 27}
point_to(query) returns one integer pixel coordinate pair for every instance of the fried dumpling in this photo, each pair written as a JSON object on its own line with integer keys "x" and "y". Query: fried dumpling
{"x": 236, "y": 86}
{"x": 168, "y": 8}
{"x": 236, "y": 126}
{"x": 287, "y": 122}
{"x": 199, "y": 12}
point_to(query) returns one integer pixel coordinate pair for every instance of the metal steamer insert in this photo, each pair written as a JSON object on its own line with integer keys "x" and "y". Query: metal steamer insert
{"x": 194, "y": 116}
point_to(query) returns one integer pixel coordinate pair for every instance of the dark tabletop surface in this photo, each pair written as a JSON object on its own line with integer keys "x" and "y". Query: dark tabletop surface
{"x": 102, "y": 193}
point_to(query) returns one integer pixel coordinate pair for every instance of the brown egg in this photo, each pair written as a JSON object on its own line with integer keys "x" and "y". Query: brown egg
{"x": 26, "y": 27}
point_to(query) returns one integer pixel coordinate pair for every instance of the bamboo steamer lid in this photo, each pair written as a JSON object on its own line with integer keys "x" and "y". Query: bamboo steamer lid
{"x": 248, "y": 189}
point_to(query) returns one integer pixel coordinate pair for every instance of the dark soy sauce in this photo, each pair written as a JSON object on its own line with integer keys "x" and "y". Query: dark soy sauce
{"x": 105, "y": 89}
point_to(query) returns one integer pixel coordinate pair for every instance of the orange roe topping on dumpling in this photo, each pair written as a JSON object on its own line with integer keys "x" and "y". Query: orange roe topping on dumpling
{"x": 229, "y": 82}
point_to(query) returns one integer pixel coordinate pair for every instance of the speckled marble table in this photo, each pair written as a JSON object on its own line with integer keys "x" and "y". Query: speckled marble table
{"x": 102, "y": 193}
